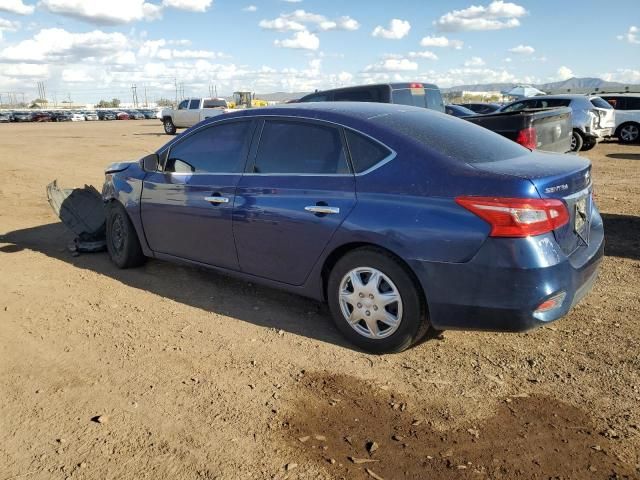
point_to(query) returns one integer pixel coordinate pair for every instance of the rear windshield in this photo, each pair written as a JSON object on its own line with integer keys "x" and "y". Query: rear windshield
{"x": 452, "y": 137}
{"x": 600, "y": 103}
{"x": 214, "y": 103}
{"x": 419, "y": 97}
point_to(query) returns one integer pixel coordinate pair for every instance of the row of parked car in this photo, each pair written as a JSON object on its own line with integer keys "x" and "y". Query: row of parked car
{"x": 593, "y": 117}
{"x": 75, "y": 115}
{"x": 550, "y": 122}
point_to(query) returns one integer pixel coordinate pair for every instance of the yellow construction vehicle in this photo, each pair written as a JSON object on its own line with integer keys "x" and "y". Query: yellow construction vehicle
{"x": 246, "y": 100}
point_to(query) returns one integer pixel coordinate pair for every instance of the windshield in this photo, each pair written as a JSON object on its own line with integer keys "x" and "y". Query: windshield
{"x": 600, "y": 103}
{"x": 419, "y": 97}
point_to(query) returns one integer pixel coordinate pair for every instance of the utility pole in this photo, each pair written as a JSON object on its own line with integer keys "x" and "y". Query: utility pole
{"x": 134, "y": 92}
{"x": 175, "y": 82}
{"x": 181, "y": 91}
{"x": 146, "y": 103}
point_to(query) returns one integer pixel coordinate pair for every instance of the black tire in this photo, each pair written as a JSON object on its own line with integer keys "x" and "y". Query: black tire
{"x": 628, "y": 133}
{"x": 122, "y": 240}
{"x": 576, "y": 141}
{"x": 169, "y": 127}
{"x": 414, "y": 321}
{"x": 588, "y": 145}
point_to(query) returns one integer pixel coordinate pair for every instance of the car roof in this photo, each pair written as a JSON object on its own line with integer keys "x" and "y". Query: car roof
{"x": 336, "y": 111}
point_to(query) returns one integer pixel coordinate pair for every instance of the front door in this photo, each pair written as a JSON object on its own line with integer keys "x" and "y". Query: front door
{"x": 297, "y": 192}
{"x": 187, "y": 207}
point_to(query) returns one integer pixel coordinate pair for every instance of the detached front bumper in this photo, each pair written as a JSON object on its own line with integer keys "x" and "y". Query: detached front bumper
{"x": 598, "y": 134}
{"x": 501, "y": 288}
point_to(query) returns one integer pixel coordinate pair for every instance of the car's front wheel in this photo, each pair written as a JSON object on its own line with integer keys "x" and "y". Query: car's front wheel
{"x": 375, "y": 301}
{"x": 629, "y": 132}
{"x": 169, "y": 127}
{"x": 122, "y": 240}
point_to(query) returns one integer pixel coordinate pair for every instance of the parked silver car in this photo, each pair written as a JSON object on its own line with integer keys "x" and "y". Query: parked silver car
{"x": 593, "y": 118}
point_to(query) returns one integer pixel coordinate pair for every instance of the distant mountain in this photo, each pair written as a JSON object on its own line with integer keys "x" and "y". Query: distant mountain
{"x": 570, "y": 84}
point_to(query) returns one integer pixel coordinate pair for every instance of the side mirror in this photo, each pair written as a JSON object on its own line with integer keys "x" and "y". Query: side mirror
{"x": 150, "y": 163}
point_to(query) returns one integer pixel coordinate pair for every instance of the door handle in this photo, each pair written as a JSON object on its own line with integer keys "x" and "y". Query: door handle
{"x": 217, "y": 200}
{"x": 322, "y": 209}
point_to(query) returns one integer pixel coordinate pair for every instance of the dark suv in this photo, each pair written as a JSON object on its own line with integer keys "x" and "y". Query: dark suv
{"x": 415, "y": 94}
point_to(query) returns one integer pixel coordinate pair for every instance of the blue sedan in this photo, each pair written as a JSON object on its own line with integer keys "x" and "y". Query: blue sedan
{"x": 400, "y": 218}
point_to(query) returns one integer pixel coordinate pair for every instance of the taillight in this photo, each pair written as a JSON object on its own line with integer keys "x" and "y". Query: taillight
{"x": 517, "y": 217}
{"x": 528, "y": 137}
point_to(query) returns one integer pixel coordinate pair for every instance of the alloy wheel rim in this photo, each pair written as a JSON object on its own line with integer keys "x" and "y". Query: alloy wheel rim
{"x": 574, "y": 142}
{"x": 629, "y": 133}
{"x": 370, "y": 303}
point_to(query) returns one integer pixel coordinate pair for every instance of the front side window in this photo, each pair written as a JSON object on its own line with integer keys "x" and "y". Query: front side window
{"x": 554, "y": 102}
{"x": 288, "y": 147}
{"x": 516, "y": 107}
{"x": 183, "y": 105}
{"x": 365, "y": 152}
{"x": 359, "y": 95}
{"x": 216, "y": 149}
{"x": 195, "y": 104}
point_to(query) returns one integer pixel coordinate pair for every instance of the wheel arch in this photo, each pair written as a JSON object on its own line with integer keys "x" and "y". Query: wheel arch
{"x": 339, "y": 252}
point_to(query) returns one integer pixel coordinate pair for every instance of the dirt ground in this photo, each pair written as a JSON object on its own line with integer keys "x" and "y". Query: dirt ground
{"x": 179, "y": 373}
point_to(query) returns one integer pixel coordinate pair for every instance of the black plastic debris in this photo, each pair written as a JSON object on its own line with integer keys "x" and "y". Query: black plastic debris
{"x": 82, "y": 212}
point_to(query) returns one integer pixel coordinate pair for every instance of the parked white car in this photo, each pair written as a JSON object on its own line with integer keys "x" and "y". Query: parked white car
{"x": 91, "y": 116}
{"x": 190, "y": 112}
{"x": 627, "y": 107}
{"x": 77, "y": 117}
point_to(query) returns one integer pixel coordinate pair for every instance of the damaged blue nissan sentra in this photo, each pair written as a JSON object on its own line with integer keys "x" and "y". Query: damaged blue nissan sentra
{"x": 400, "y": 218}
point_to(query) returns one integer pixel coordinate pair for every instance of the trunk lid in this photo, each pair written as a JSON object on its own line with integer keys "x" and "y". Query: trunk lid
{"x": 565, "y": 177}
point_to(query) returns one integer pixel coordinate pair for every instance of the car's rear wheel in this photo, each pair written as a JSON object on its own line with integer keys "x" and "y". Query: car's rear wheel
{"x": 375, "y": 301}
{"x": 629, "y": 132}
{"x": 576, "y": 141}
{"x": 122, "y": 240}
{"x": 169, "y": 127}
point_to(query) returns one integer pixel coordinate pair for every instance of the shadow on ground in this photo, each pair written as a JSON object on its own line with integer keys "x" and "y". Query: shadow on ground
{"x": 622, "y": 236}
{"x": 199, "y": 288}
{"x": 624, "y": 156}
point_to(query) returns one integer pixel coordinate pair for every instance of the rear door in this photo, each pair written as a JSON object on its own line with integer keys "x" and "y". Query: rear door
{"x": 193, "y": 114}
{"x": 297, "y": 191}
{"x": 187, "y": 207}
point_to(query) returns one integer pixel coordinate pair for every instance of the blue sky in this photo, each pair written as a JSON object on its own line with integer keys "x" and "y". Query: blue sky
{"x": 96, "y": 49}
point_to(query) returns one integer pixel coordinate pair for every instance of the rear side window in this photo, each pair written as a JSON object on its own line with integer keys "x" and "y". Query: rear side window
{"x": 365, "y": 152}
{"x": 288, "y": 147}
{"x": 632, "y": 103}
{"x": 419, "y": 97}
{"x": 195, "y": 104}
{"x": 217, "y": 149}
{"x": 452, "y": 137}
{"x": 600, "y": 103}
{"x": 554, "y": 102}
{"x": 516, "y": 107}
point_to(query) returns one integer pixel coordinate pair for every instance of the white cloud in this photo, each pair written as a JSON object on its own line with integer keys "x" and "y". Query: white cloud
{"x": 54, "y": 45}
{"x": 299, "y": 20}
{"x": 495, "y": 16}
{"x": 431, "y": 41}
{"x": 631, "y": 36}
{"x": 77, "y": 75}
{"x": 300, "y": 40}
{"x": 397, "y": 29}
{"x": 474, "y": 62}
{"x": 393, "y": 65}
{"x": 105, "y": 12}
{"x": 189, "y": 5}
{"x": 522, "y": 50}
{"x": 16, "y": 6}
{"x": 623, "y": 75}
{"x": 424, "y": 54}
{"x": 565, "y": 73}
{"x": 25, "y": 70}
{"x": 250, "y": 8}
{"x": 281, "y": 25}
{"x": 292, "y": 1}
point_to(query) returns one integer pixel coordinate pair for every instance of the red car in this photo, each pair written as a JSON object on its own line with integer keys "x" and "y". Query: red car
{"x": 122, "y": 116}
{"x": 41, "y": 117}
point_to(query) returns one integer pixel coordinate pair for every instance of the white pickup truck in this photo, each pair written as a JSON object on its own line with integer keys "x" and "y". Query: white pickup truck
{"x": 191, "y": 111}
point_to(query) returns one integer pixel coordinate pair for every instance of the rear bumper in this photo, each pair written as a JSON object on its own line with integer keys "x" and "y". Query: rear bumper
{"x": 506, "y": 281}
